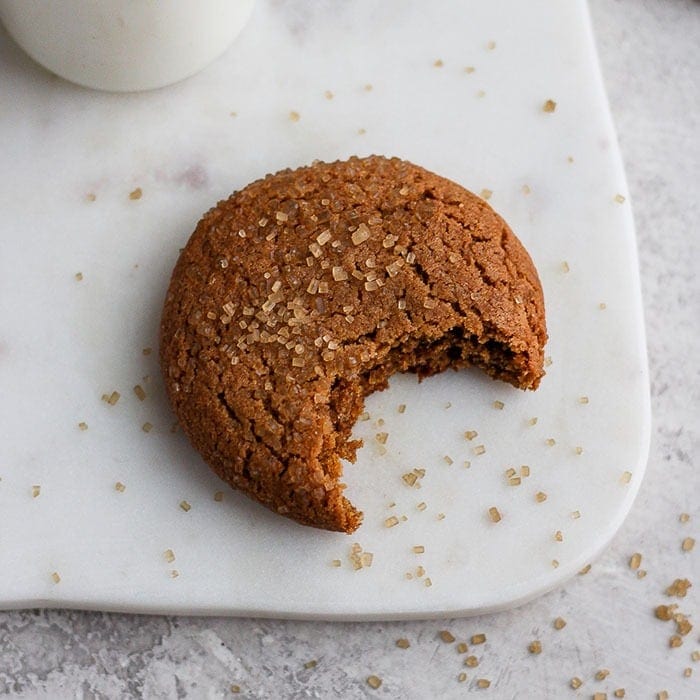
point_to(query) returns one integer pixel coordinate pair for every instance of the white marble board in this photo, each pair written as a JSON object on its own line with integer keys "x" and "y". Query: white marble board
{"x": 363, "y": 78}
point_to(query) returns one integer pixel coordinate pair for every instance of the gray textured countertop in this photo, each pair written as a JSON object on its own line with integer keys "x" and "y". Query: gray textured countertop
{"x": 651, "y": 62}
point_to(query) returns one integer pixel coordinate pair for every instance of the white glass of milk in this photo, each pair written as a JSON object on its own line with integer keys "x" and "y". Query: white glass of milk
{"x": 124, "y": 45}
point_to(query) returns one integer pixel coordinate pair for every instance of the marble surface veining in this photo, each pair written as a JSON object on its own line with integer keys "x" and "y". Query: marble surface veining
{"x": 650, "y": 62}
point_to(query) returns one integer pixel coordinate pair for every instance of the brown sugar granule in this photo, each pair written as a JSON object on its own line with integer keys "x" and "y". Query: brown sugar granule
{"x": 391, "y": 521}
{"x": 294, "y": 116}
{"x": 626, "y": 477}
{"x": 555, "y": 563}
{"x": 469, "y": 69}
{"x": 438, "y": 63}
{"x": 174, "y": 573}
{"x": 695, "y": 656}
{"x": 559, "y": 623}
{"x": 478, "y": 638}
{"x": 494, "y": 514}
{"x": 418, "y": 549}
{"x": 403, "y": 643}
{"x": 619, "y": 693}
{"x": 585, "y": 570}
{"x": 619, "y": 198}
{"x": 235, "y": 688}
{"x": 540, "y": 496}
{"x": 112, "y": 398}
{"x": 446, "y": 636}
{"x": 471, "y": 661}
{"x": 119, "y": 487}
{"x": 374, "y": 681}
{"x": 679, "y": 588}
{"x": 575, "y": 682}
{"x": 55, "y": 577}
{"x": 675, "y": 640}
{"x": 311, "y": 664}
{"x": 146, "y": 351}
{"x": 635, "y": 560}
{"x": 461, "y": 677}
{"x": 169, "y": 556}
{"x": 683, "y": 624}
{"x": 559, "y": 536}
{"x": 269, "y": 395}
{"x": 185, "y": 506}
{"x": 602, "y": 674}
{"x": 549, "y": 106}
{"x": 641, "y": 573}
{"x": 665, "y": 612}
{"x": 479, "y": 450}
{"x": 219, "y": 496}
{"x": 486, "y": 194}
{"x": 336, "y": 563}
{"x": 136, "y": 194}
{"x": 428, "y": 582}
{"x": 36, "y": 491}
{"x": 550, "y": 442}
{"x": 535, "y": 647}
{"x": 483, "y": 683}
{"x": 470, "y": 434}
{"x": 140, "y": 393}
{"x": 79, "y": 276}
{"x": 662, "y": 695}
{"x": 600, "y": 696}
{"x": 687, "y": 672}
{"x": 147, "y": 427}
{"x": 328, "y": 95}
{"x": 491, "y": 45}
{"x": 684, "y": 517}
{"x": 462, "y": 648}
{"x": 687, "y": 544}
{"x": 91, "y": 196}
{"x": 82, "y": 425}
{"x": 499, "y": 405}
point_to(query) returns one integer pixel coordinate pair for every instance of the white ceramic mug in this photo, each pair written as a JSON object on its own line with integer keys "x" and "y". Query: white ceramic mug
{"x": 124, "y": 45}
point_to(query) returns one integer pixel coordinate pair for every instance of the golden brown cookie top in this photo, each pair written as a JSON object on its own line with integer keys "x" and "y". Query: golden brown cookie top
{"x": 304, "y": 291}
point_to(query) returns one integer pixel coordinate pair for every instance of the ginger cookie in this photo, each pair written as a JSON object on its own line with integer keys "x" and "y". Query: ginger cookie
{"x": 304, "y": 292}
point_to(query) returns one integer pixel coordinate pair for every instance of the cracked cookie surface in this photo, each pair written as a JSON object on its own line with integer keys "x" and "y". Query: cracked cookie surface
{"x": 302, "y": 293}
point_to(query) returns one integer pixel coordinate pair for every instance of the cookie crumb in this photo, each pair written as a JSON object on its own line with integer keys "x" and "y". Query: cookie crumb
{"x": 486, "y": 194}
